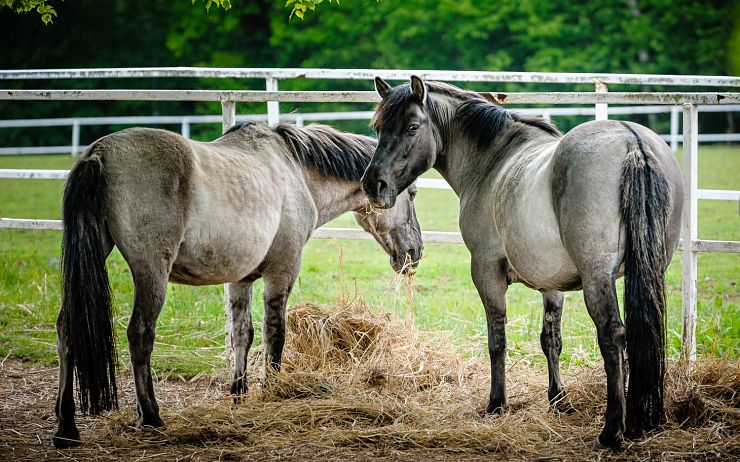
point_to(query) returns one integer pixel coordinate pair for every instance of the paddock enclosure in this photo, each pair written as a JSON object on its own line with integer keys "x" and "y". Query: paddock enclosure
{"x": 364, "y": 383}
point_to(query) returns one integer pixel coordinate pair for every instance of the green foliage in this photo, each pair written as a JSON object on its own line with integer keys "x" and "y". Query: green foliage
{"x": 225, "y": 4}
{"x": 301, "y": 6}
{"x": 24, "y": 6}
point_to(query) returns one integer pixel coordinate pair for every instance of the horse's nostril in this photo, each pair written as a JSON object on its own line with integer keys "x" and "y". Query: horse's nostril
{"x": 382, "y": 186}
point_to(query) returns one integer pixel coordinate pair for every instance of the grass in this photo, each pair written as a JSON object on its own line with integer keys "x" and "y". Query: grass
{"x": 190, "y": 328}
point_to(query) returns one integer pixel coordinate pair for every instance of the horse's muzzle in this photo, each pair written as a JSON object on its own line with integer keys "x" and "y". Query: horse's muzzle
{"x": 406, "y": 263}
{"x": 378, "y": 189}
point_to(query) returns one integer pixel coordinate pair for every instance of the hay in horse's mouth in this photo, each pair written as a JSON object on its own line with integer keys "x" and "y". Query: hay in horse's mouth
{"x": 361, "y": 383}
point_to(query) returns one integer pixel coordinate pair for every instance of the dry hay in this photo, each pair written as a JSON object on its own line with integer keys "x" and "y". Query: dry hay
{"x": 362, "y": 385}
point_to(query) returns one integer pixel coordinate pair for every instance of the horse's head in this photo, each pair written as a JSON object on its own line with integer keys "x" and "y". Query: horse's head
{"x": 408, "y": 142}
{"x": 396, "y": 230}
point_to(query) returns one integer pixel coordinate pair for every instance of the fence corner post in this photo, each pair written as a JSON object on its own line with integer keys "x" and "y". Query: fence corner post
{"x": 273, "y": 107}
{"x": 75, "y": 137}
{"x": 689, "y": 258}
{"x": 228, "y": 113}
{"x": 674, "y": 128}
{"x": 602, "y": 109}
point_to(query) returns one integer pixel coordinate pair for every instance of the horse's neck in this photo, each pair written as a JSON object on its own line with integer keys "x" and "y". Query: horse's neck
{"x": 333, "y": 196}
{"x": 465, "y": 165}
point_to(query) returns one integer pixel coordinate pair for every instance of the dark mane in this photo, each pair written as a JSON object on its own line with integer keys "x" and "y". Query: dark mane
{"x": 335, "y": 153}
{"x": 480, "y": 120}
{"x": 237, "y": 127}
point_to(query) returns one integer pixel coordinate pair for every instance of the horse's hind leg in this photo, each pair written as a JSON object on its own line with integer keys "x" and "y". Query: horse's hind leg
{"x": 552, "y": 343}
{"x": 67, "y": 434}
{"x": 239, "y": 298}
{"x": 601, "y": 301}
{"x": 150, "y": 286}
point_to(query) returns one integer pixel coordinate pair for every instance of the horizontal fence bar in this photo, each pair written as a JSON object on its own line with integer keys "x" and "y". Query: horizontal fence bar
{"x": 315, "y": 116}
{"x": 176, "y": 120}
{"x": 708, "y": 137}
{"x": 718, "y": 194}
{"x": 369, "y": 74}
{"x": 30, "y": 150}
{"x": 18, "y": 174}
{"x": 709, "y": 98}
{"x": 426, "y": 183}
{"x": 438, "y": 237}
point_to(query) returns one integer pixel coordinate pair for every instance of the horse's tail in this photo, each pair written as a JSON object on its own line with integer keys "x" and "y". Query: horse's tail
{"x": 644, "y": 203}
{"x": 86, "y": 300}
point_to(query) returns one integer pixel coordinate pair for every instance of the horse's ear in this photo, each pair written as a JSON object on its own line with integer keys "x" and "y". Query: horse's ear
{"x": 418, "y": 89}
{"x": 382, "y": 87}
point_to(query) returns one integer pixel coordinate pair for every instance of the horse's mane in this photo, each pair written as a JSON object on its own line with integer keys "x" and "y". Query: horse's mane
{"x": 335, "y": 153}
{"x": 332, "y": 152}
{"x": 482, "y": 121}
{"x": 479, "y": 119}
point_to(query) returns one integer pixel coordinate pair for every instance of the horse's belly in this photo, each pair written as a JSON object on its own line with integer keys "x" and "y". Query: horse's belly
{"x": 531, "y": 234}
{"x": 539, "y": 260}
{"x": 221, "y": 253}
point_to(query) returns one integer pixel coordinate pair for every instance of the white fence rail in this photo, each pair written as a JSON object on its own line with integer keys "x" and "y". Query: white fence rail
{"x": 689, "y": 101}
{"x": 185, "y": 123}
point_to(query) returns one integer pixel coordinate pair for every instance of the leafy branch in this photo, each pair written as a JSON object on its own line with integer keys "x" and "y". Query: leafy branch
{"x": 225, "y": 4}
{"x": 301, "y": 6}
{"x": 24, "y": 6}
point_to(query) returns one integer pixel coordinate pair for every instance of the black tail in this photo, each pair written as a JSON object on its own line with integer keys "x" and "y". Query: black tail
{"x": 86, "y": 302}
{"x": 644, "y": 208}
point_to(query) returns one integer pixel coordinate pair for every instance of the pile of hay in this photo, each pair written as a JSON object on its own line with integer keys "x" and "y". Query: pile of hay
{"x": 364, "y": 385}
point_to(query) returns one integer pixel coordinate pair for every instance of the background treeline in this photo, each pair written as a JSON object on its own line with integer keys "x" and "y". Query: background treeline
{"x": 631, "y": 36}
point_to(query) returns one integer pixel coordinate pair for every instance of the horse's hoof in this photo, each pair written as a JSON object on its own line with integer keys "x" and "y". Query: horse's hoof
{"x": 67, "y": 439}
{"x": 152, "y": 421}
{"x": 496, "y": 408}
{"x": 560, "y": 403}
{"x": 239, "y": 387}
{"x": 607, "y": 441}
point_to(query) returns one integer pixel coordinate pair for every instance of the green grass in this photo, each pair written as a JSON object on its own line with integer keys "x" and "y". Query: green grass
{"x": 190, "y": 329}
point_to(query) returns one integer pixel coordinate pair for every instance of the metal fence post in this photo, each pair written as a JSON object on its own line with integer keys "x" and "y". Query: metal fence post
{"x": 674, "y": 128}
{"x": 75, "y": 137}
{"x": 690, "y": 170}
{"x": 228, "y": 112}
{"x": 602, "y": 109}
{"x": 273, "y": 107}
{"x": 185, "y": 127}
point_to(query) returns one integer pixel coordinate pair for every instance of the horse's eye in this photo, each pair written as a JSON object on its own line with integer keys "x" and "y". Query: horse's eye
{"x": 411, "y": 130}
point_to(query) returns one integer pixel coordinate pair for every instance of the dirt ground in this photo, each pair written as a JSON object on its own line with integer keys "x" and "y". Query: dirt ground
{"x": 359, "y": 386}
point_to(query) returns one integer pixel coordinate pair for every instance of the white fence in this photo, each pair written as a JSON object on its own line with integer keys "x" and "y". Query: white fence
{"x": 689, "y": 101}
{"x": 185, "y": 122}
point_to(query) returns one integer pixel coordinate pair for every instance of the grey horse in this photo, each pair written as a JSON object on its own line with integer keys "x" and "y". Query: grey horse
{"x": 229, "y": 211}
{"x": 556, "y": 213}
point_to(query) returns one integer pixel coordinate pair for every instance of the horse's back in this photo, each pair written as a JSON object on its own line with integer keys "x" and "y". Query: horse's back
{"x": 207, "y": 212}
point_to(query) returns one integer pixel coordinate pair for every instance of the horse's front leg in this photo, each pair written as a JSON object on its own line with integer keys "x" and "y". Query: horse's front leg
{"x": 490, "y": 280}
{"x": 239, "y": 302}
{"x": 552, "y": 343}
